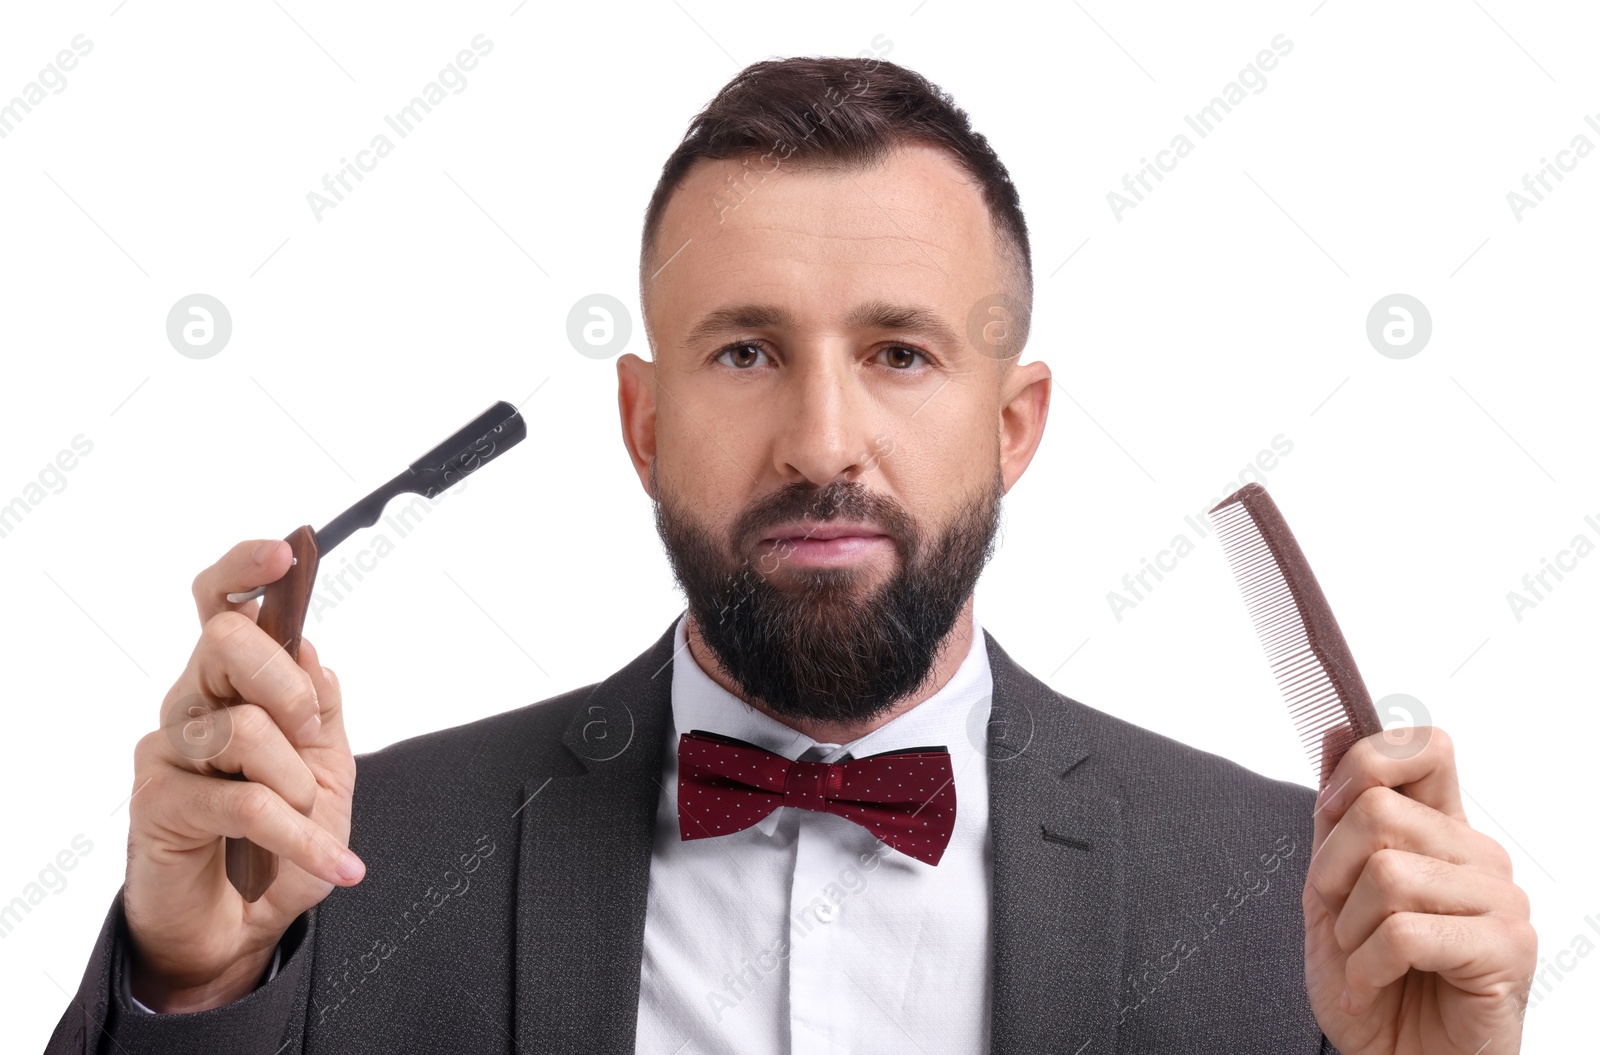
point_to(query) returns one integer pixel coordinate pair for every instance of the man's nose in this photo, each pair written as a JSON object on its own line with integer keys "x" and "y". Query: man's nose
{"x": 822, "y": 422}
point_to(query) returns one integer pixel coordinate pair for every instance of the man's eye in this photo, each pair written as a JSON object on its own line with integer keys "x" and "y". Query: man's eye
{"x": 899, "y": 356}
{"x": 742, "y": 353}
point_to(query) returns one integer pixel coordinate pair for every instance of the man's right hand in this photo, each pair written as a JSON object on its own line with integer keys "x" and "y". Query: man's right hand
{"x": 196, "y": 943}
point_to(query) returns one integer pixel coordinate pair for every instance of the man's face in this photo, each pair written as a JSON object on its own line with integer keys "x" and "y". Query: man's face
{"x": 826, "y": 447}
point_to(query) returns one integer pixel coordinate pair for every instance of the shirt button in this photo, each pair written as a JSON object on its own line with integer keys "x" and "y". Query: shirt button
{"x": 826, "y": 910}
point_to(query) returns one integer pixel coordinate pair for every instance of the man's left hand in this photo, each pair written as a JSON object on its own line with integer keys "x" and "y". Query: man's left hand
{"x": 1417, "y": 940}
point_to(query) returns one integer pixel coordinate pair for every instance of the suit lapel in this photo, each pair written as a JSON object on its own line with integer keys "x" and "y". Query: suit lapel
{"x": 1056, "y": 827}
{"x": 583, "y": 878}
{"x": 587, "y": 826}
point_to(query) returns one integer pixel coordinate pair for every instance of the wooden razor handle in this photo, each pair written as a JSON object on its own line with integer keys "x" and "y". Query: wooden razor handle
{"x": 252, "y": 869}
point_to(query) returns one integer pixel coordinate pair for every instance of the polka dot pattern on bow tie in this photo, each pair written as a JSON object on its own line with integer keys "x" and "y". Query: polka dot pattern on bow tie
{"x": 906, "y": 799}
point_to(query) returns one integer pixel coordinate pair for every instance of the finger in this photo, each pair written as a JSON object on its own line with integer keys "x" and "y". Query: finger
{"x": 235, "y": 659}
{"x": 243, "y": 568}
{"x": 330, "y": 701}
{"x": 1397, "y": 881}
{"x": 202, "y": 808}
{"x": 1474, "y": 953}
{"x": 1383, "y": 819}
{"x": 1419, "y": 763}
{"x": 330, "y": 736}
{"x": 248, "y": 742}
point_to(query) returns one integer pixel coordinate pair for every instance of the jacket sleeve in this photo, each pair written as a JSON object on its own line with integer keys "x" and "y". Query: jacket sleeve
{"x": 268, "y": 1021}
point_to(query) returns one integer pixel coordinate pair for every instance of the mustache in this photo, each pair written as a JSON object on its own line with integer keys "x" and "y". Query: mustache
{"x": 840, "y": 500}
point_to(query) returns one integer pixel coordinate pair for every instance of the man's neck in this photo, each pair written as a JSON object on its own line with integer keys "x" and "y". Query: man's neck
{"x": 955, "y": 647}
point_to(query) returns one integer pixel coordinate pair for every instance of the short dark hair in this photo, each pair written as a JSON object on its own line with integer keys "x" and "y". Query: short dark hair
{"x": 846, "y": 111}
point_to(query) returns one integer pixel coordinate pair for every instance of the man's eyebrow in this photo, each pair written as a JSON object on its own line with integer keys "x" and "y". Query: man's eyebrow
{"x": 873, "y": 314}
{"x": 742, "y": 317}
{"x": 910, "y": 318}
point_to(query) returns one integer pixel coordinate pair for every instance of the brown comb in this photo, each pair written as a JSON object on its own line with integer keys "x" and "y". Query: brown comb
{"x": 1327, "y": 699}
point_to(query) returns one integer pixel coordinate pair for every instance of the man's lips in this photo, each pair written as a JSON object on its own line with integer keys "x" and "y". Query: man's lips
{"x": 823, "y": 544}
{"x": 822, "y": 532}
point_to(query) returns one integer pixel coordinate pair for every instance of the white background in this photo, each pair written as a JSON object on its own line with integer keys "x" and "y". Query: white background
{"x": 1228, "y": 307}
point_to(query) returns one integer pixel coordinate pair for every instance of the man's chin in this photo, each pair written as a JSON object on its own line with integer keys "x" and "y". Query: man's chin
{"x": 833, "y": 595}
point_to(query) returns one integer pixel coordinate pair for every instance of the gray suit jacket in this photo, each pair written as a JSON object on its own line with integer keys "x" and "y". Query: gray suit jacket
{"x": 1146, "y": 894}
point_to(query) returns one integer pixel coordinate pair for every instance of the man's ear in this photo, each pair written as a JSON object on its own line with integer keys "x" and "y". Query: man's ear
{"x": 636, "y": 403}
{"x": 1024, "y": 406}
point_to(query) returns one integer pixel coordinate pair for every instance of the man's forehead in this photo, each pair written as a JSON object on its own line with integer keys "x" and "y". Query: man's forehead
{"x": 912, "y": 230}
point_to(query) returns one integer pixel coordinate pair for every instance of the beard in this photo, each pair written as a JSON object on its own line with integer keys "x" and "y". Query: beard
{"x": 826, "y": 647}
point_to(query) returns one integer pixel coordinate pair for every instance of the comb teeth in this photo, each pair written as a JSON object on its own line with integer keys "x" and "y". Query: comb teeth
{"x": 1327, "y": 699}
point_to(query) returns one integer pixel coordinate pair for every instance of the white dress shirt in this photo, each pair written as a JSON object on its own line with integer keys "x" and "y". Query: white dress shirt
{"x": 805, "y": 934}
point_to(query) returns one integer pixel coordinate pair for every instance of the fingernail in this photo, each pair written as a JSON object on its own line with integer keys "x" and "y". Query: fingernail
{"x": 265, "y": 550}
{"x": 350, "y": 867}
{"x": 1347, "y": 1001}
{"x": 309, "y": 732}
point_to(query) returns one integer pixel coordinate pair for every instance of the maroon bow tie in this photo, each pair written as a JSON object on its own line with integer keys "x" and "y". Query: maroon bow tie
{"x": 906, "y": 798}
